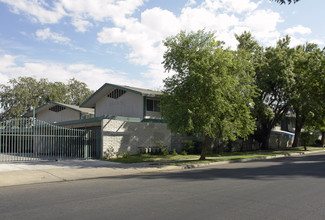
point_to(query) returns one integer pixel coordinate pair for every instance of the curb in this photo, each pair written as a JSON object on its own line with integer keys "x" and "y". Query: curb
{"x": 248, "y": 160}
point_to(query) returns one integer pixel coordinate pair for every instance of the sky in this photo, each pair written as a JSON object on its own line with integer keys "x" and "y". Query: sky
{"x": 121, "y": 41}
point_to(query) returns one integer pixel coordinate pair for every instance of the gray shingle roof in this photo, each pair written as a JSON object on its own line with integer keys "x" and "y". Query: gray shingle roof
{"x": 107, "y": 88}
{"x": 51, "y": 104}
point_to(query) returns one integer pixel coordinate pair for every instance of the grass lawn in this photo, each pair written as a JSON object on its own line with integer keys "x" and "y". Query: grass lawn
{"x": 194, "y": 159}
{"x": 140, "y": 158}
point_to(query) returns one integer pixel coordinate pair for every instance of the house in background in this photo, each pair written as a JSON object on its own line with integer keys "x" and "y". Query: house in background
{"x": 283, "y": 134}
{"x": 55, "y": 112}
{"x": 125, "y": 101}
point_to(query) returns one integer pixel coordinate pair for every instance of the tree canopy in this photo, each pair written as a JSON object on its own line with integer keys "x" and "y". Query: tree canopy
{"x": 211, "y": 90}
{"x": 287, "y": 79}
{"x": 275, "y": 80}
{"x": 18, "y": 95}
{"x": 308, "y": 94}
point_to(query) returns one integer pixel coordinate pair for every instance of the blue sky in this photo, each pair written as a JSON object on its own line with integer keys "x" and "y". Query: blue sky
{"x": 120, "y": 41}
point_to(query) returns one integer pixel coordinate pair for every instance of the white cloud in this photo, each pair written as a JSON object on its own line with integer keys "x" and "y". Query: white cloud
{"x": 101, "y": 9}
{"x": 46, "y": 34}
{"x": 6, "y": 62}
{"x": 84, "y": 12}
{"x": 318, "y": 42}
{"x": 3, "y": 78}
{"x": 112, "y": 35}
{"x": 155, "y": 74}
{"x": 81, "y": 12}
{"x": 160, "y": 23}
{"x": 81, "y": 24}
{"x": 298, "y": 30}
{"x": 37, "y": 9}
{"x": 193, "y": 19}
{"x": 295, "y": 41}
{"x": 239, "y": 6}
{"x": 93, "y": 76}
{"x": 190, "y": 3}
{"x": 144, "y": 36}
{"x": 262, "y": 24}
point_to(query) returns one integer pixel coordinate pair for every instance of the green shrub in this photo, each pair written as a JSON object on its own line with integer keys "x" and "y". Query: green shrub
{"x": 318, "y": 142}
{"x": 126, "y": 155}
{"x": 188, "y": 147}
{"x": 184, "y": 152}
{"x": 163, "y": 149}
{"x": 192, "y": 147}
{"x": 174, "y": 153}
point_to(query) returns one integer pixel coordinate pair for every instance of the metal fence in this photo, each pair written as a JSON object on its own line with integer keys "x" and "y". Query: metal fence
{"x": 27, "y": 139}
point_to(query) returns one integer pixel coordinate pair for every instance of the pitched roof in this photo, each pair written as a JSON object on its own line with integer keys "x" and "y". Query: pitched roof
{"x": 51, "y": 104}
{"x": 108, "y": 88}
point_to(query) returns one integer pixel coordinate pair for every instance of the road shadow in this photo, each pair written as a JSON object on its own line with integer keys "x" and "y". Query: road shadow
{"x": 289, "y": 167}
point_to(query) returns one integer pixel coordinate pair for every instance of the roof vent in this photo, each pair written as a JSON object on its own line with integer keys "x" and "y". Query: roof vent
{"x": 116, "y": 93}
{"x": 57, "y": 108}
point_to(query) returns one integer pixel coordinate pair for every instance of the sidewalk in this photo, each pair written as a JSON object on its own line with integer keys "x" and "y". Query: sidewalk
{"x": 21, "y": 173}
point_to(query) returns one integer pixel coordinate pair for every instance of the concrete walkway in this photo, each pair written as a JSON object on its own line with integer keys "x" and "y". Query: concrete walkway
{"x": 21, "y": 173}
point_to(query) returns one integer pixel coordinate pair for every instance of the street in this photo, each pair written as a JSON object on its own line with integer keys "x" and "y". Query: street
{"x": 284, "y": 188}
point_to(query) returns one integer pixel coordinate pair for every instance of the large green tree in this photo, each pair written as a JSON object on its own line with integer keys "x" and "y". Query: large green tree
{"x": 77, "y": 92}
{"x": 18, "y": 95}
{"x": 274, "y": 79}
{"x": 210, "y": 92}
{"x": 308, "y": 96}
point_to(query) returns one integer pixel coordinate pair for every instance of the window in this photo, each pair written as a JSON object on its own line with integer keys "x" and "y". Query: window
{"x": 116, "y": 93}
{"x": 153, "y": 105}
{"x": 57, "y": 108}
{"x": 86, "y": 116}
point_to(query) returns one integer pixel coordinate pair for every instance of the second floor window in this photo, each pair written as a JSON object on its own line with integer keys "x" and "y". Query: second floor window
{"x": 153, "y": 105}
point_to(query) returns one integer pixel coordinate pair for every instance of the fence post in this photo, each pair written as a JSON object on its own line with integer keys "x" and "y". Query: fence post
{"x": 86, "y": 144}
{"x": 0, "y": 141}
{"x": 98, "y": 144}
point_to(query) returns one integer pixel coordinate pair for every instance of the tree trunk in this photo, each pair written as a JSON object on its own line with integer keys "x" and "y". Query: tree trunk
{"x": 296, "y": 140}
{"x": 266, "y": 140}
{"x": 299, "y": 125}
{"x": 323, "y": 139}
{"x": 205, "y": 147}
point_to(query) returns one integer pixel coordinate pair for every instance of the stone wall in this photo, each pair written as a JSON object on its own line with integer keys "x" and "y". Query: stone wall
{"x": 124, "y": 136}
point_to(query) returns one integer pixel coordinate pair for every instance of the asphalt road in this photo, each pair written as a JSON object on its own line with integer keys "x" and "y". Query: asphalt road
{"x": 286, "y": 188}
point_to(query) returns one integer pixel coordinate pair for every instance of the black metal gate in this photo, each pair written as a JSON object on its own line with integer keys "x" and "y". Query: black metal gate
{"x": 27, "y": 139}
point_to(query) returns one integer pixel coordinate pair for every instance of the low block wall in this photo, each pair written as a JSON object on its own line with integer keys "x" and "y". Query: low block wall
{"x": 280, "y": 141}
{"x": 123, "y": 136}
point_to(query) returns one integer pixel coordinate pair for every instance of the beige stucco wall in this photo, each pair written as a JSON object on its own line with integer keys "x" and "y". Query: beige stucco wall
{"x": 64, "y": 115}
{"x": 129, "y": 136}
{"x": 128, "y": 105}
